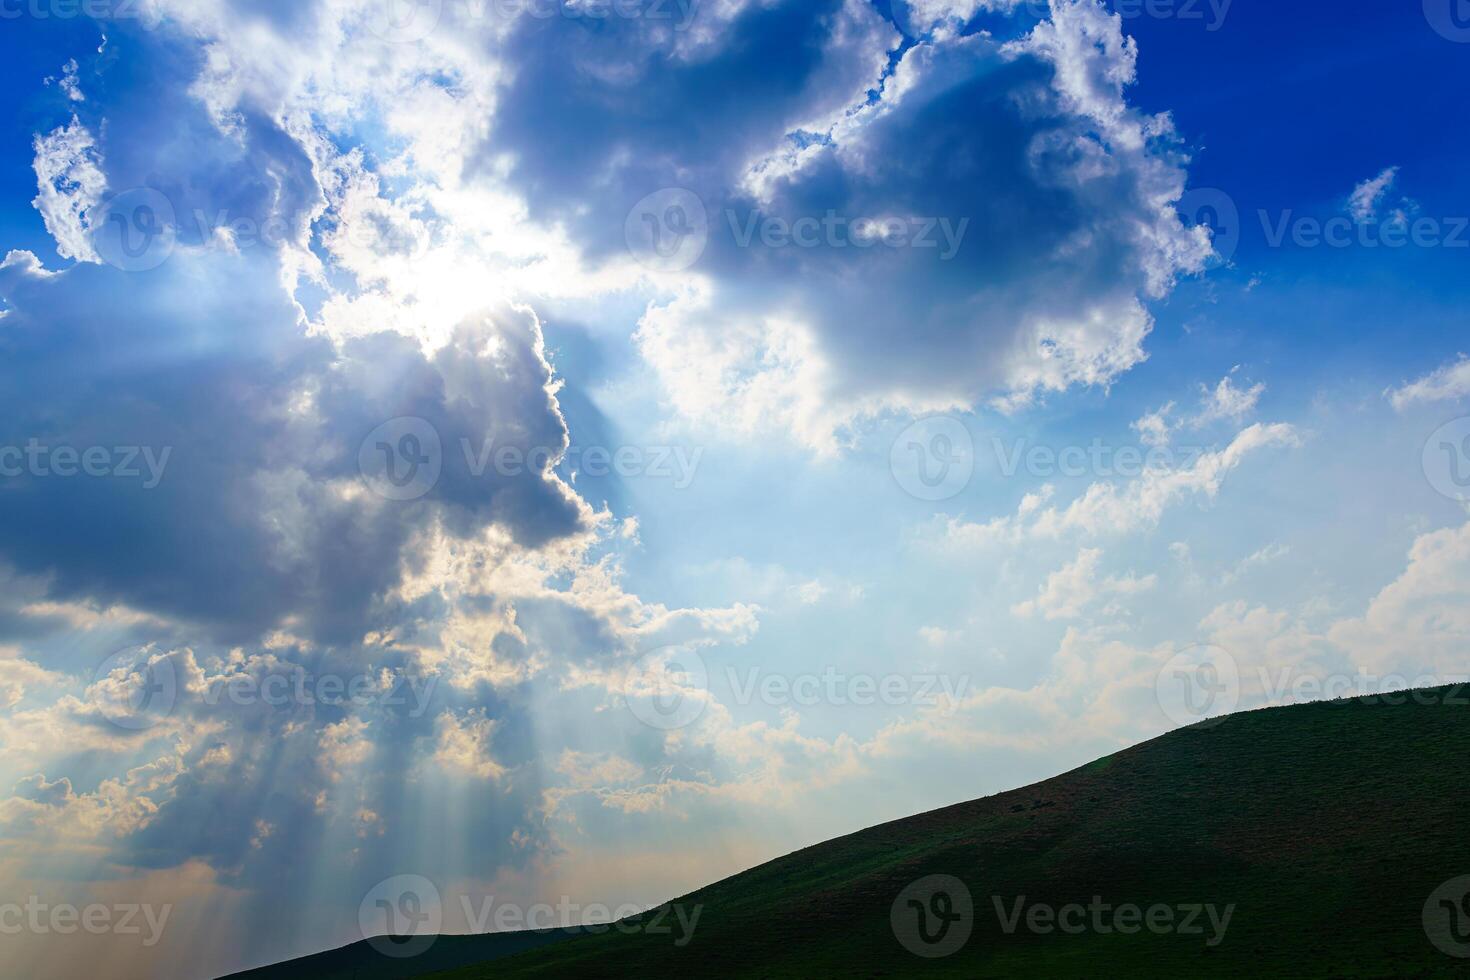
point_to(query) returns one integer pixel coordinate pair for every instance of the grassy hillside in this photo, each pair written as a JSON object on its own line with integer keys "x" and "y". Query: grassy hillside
{"x": 360, "y": 961}
{"x": 1323, "y": 829}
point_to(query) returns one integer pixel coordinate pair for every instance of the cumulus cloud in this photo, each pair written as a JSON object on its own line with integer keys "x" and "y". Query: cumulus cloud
{"x": 71, "y": 185}
{"x": 361, "y": 232}
{"x": 1044, "y": 287}
{"x": 1069, "y": 591}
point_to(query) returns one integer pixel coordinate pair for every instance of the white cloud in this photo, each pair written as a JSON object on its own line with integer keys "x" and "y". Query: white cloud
{"x": 1110, "y": 508}
{"x": 465, "y": 745}
{"x": 1224, "y": 402}
{"x": 1227, "y": 402}
{"x": 69, "y": 174}
{"x": 1069, "y": 591}
{"x": 1155, "y": 429}
{"x": 1448, "y": 383}
{"x": 1366, "y": 197}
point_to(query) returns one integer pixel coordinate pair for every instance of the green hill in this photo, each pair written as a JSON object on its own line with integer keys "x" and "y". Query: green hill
{"x": 1298, "y": 841}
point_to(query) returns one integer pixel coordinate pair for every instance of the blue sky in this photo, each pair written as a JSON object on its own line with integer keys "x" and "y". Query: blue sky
{"x": 689, "y": 433}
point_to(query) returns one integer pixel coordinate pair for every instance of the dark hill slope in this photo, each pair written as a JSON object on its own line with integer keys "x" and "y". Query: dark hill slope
{"x": 1327, "y": 827}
